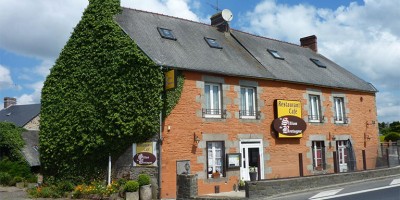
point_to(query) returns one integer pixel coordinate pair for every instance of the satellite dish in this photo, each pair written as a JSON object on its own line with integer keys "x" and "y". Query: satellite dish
{"x": 227, "y": 15}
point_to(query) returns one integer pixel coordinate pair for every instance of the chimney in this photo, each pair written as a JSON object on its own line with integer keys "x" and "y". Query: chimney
{"x": 310, "y": 42}
{"x": 221, "y": 20}
{"x": 9, "y": 101}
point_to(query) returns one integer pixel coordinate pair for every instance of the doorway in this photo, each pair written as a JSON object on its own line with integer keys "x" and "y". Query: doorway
{"x": 252, "y": 157}
{"x": 342, "y": 150}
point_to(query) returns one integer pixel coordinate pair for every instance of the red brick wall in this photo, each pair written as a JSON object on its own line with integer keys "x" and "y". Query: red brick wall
{"x": 184, "y": 122}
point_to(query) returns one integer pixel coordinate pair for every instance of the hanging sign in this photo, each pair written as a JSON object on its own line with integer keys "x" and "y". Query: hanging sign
{"x": 289, "y": 123}
{"x": 170, "y": 79}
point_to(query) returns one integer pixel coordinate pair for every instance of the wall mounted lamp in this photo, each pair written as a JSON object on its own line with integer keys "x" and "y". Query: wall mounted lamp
{"x": 196, "y": 138}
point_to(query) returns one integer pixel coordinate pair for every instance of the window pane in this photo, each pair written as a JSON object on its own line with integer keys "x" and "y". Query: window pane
{"x": 251, "y": 100}
{"x": 243, "y": 99}
{"x": 207, "y": 96}
{"x": 215, "y": 101}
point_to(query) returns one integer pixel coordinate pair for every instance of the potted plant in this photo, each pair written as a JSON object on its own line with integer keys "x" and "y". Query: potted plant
{"x": 131, "y": 190}
{"x": 253, "y": 173}
{"x": 241, "y": 185}
{"x": 216, "y": 174}
{"x": 145, "y": 187}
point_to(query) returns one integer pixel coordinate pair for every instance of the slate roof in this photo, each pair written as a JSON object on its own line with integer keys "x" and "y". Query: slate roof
{"x": 19, "y": 114}
{"x": 243, "y": 54}
{"x": 30, "y": 150}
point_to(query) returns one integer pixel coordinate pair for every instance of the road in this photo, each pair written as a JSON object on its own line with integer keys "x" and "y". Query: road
{"x": 381, "y": 189}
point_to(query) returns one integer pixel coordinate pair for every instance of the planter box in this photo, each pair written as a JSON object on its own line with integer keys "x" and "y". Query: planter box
{"x": 145, "y": 192}
{"x": 132, "y": 195}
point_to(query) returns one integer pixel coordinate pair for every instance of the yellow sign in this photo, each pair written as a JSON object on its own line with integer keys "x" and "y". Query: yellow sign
{"x": 170, "y": 79}
{"x": 291, "y": 108}
{"x": 144, "y": 147}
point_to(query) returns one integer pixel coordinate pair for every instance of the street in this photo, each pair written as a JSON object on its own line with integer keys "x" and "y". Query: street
{"x": 382, "y": 189}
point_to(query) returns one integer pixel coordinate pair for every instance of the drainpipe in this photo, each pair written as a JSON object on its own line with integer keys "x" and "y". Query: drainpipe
{"x": 160, "y": 138}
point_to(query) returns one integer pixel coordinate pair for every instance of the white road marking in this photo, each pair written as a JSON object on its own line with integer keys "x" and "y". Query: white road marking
{"x": 395, "y": 182}
{"x": 358, "y": 192}
{"x": 326, "y": 193}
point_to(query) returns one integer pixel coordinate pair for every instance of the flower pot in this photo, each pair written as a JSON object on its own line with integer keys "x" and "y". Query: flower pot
{"x": 132, "y": 195}
{"x": 253, "y": 176}
{"x": 145, "y": 192}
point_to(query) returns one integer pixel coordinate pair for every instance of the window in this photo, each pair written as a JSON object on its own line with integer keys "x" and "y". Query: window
{"x": 166, "y": 33}
{"x": 247, "y": 103}
{"x": 275, "y": 54}
{"x": 212, "y": 93}
{"x": 339, "y": 110}
{"x": 215, "y": 157}
{"x": 318, "y": 63}
{"x": 314, "y": 110}
{"x": 318, "y": 152}
{"x": 213, "y": 43}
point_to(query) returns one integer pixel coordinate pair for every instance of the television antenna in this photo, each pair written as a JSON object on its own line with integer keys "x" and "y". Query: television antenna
{"x": 214, "y": 6}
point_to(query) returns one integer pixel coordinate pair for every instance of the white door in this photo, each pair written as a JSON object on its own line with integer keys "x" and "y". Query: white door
{"x": 342, "y": 155}
{"x": 252, "y": 155}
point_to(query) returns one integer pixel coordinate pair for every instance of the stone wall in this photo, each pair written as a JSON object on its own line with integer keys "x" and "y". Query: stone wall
{"x": 186, "y": 186}
{"x": 258, "y": 189}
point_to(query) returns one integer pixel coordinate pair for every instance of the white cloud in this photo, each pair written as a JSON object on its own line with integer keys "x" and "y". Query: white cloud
{"x": 34, "y": 97}
{"x": 176, "y": 8}
{"x": 364, "y": 39}
{"x": 38, "y": 28}
{"x": 5, "y": 78}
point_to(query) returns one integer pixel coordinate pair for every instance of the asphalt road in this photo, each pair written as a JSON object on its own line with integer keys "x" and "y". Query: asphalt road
{"x": 378, "y": 189}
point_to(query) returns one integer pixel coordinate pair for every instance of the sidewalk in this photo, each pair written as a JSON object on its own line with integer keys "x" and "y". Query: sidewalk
{"x": 224, "y": 195}
{"x": 12, "y": 193}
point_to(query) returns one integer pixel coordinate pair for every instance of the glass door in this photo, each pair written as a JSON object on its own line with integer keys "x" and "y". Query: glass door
{"x": 252, "y": 157}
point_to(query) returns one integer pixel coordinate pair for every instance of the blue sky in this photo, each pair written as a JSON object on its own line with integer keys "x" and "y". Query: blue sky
{"x": 362, "y": 36}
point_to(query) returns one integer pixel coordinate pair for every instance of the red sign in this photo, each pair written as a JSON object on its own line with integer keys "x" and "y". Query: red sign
{"x": 289, "y": 125}
{"x": 144, "y": 158}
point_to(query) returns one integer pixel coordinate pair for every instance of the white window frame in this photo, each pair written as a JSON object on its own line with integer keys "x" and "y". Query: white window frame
{"x": 215, "y": 157}
{"x": 339, "y": 110}
{"x": 211, "y": 96}
{"x": 315, "y": 108}
{"x": 247, "y": 115}
{"x": 315, "y": 149}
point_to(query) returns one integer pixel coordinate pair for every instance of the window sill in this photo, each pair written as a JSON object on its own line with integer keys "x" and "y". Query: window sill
{"x": 248, "y": 117}
{"x": 213, "y": 116}
{"x": 315, "y": 121}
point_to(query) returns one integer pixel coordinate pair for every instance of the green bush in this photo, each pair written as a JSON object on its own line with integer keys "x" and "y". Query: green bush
{"x": 131, "y": 186}
{"x": 392, "y": 136}
{"x": 144, "y": 179}
{"x": 121, "y": 182}
{"x": 65, "y": 186}
{"x": 18, "y": 179}
{"x": 15, "y": 168}
{"x": 5, "y": 178}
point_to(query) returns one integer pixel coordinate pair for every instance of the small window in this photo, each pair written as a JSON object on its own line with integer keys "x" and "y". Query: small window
{"x": 339, "y": 110}
{"x": 213, "y": 43}
{"x": 166, "y": 33}
{"x": 314, "y": 112}
{"x": 275, "y": 54}
{"x": 212, "y": 93}
{"x": 318, "y": 63}
{"x": 247, "y": 103}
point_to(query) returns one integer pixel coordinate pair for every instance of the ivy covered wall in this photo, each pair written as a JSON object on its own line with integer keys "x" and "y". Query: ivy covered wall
{"x": 102, "y": 95}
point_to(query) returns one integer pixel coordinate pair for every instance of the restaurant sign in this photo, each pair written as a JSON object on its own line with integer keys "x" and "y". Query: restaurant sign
{"x": 289, "y": 123}
{"x": 144, "y": 158}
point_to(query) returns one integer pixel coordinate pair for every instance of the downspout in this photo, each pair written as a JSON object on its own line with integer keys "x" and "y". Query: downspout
{"x": 160, "y": 138}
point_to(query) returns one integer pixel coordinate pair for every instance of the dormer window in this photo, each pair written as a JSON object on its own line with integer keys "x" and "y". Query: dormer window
{"x": 275, "y": 54}
{"x": 213, "y": 43}
{"x": 318, "y": 63}
{"x": 166, "y": 33}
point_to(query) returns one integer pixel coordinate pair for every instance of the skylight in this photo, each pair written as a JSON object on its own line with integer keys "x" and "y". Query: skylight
{"x": 213, "y": 43}
{"x": 275, "y": 54}
{"x": 318, "y": 63}
{"x": 166, "y": 33}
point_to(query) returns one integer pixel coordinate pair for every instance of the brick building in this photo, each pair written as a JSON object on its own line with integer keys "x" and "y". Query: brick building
{"x": 237, "y": 86}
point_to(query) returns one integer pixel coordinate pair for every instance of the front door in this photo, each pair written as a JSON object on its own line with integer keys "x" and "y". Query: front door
{"x": 342, "y": 155}
{"x": 252, "y": 157}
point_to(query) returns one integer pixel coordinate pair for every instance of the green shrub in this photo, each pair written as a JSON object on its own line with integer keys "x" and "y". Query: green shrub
{"x": 5, "y": 178}
{"x": 121, "y": 182}
{"x": 392, "y": 136}
{"x": 18, "y": 179}
{"x": 44, "y": 192}
{"x": 144, "y": 179}
{"x": 131, "y": 186}
{"x": 65, "y": 186}
{"x": 32, "y": 178}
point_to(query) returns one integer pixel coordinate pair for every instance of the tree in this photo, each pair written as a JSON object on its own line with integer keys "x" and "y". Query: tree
{"x": 102, "y": 95}
{"x": 11, "y": 141}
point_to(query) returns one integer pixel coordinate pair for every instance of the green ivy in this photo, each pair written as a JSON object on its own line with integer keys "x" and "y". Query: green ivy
{"x": 11, "y": 140}
{"x": 102, "y": 95}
